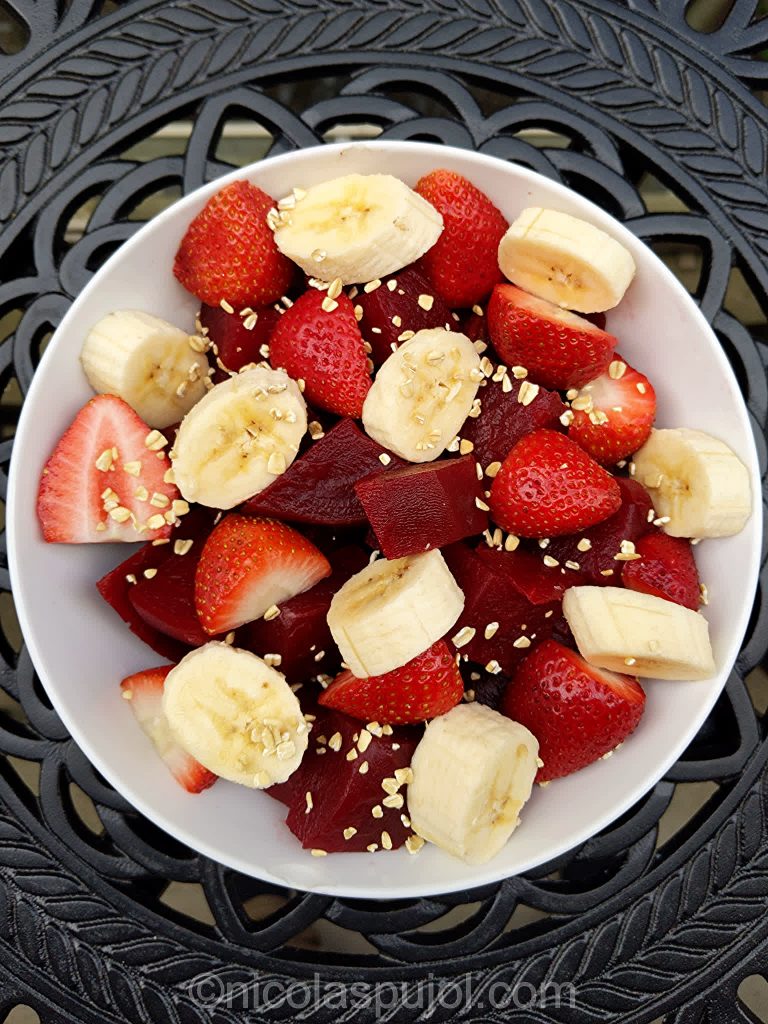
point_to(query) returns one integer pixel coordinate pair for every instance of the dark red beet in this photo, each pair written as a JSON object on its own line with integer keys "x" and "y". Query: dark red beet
{"x": 474, "y": 326}
{"x": 420, "y": 507}
{"x": 235, "y": 345}
{"x": 628, "y": 523}
{"x": 488, "y": 689}
{"x": 400, "y": 302}
{"x": 490, "y": 597}
{"x": 167, "y": 601}
{"x": 526, "y": 571}
{"x": 319, "y": 486}
{"x": 503, "y": 420}
{"x": 342, "y": 798}
{"x": 300, "y": 632}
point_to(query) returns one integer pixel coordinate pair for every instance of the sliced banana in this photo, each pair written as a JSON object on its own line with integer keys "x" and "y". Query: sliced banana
{"x": 626, "y": 631}
{"x": 393, "y": 610}
{"x": 147, "y": 362}
{"x": 357, "y": 228}
{"x": 565, "y": 260}
{"x": 473, "y": 771}
{"x": 696, "y": 482}
{"x": 239, "y": 438}
{"x": 236, "y": 715}
{"x": 422, "y": 394}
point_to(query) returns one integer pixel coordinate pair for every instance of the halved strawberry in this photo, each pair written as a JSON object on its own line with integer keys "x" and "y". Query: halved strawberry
{"x": 577, "y": 712}
{"x": 463, "y": 263}
{"x": 228, "y": 252}
{"x": 249, "y": 565}
{"x": 666, "y": 568}
{"x": 425, "y": 687}
{"x": 559, "y": 349}
{"x": 623, "y": 408}
{"x": 235, "y": 344}
{"x": 549, "y": 486}
{"x": 86, "y": 493}
{"x": 144, "y": 692}
{"x": 318, "y": 340}
{"x": 404, "y": 301}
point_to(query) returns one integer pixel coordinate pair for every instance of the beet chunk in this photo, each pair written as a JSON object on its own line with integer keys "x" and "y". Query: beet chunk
{"x": 503, "y": 420}
{"x": 418, "y": 508}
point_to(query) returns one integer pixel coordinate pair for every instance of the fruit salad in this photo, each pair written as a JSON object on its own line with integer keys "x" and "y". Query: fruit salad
{"x": 408, "y": 538}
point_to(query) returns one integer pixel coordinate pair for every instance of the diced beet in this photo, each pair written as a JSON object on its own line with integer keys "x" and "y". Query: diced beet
{"x": 420, "y": 507}
{"x": 342, "y": 797}
{"x": 236, "y": 345}
{"x": 300, "y": 632}
{"x": 628, "y": 523}
{"x": 394, "y": 307}
{"x": 167, "y": 601}
{"x": 503, "y": 420}
{"x": 528, "y": 574}
{"x": 488, "y": 689}
{"x": 475, "y": 327}
{"x": 320, "y": 485}
{"x": 169, "y": 632}
{"x": 491, "y": 598}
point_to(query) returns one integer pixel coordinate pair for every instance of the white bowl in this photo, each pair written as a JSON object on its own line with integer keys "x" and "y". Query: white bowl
{"x": 81, "y": 649}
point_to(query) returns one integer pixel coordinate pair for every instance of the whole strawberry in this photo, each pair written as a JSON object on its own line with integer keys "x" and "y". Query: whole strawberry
{"x": 228, "y": 253}
{"x": 318, "y": 340}
{"x": 548, "y": 486}
{"x": 577, "y": 712}
{"x": 463, "y": 263}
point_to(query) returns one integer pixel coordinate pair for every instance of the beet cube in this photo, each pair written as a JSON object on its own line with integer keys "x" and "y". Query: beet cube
{"x": 236, "y": 345}
{"x": 417, "y": 508}
{"x": 319, "y": 486}
{"x": 341, "y": 797}
{"x": 503, "y": 420}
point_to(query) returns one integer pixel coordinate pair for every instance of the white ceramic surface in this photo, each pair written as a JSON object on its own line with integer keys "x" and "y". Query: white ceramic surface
{"x": 81, "y": 649}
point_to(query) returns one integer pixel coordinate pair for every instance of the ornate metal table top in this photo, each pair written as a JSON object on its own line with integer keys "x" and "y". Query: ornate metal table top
{"x": 635, "y": 924}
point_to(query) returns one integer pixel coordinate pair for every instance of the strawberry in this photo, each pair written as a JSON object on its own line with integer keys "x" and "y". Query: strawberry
{"x": 318, "y": 340}
{"x": 144, "y": 692}
{"x": 404, "y": 301}
{"x": 665, "y": 569}
{"x": 621, "y": 417}
{"x": 85, "y": 493}
{"x": 234, "y": 344}
{"x": 228, "y": 253}
{"x": 548, "y": 486}
{"x": 463, "y": 263}
{"x": 247, "y": 566}
{"x": 425, "y": 687}
{"x": 559, "y": 349}
{"x": 577, "y": 712}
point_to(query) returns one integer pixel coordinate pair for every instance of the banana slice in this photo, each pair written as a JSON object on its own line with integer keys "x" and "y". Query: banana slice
{"x": 626, "y": 631}
{"x": 422, "y": 394}
{"x": 565, "y": 260}
{"x": 356, "y": 228}
{"x": 148, "y": 363}
{"x": 239, "y": 438}
{"x": 393, "y": 610}
{"x": 472, "y": 772}
{"x": 696, "y": 482}
{"x": 235, "y": 715}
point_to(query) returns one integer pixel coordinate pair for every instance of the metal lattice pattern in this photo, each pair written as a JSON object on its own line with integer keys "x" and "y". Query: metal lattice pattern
{"x": 637, "y": 927}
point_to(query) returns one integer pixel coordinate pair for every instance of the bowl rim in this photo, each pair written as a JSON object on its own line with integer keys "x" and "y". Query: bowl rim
{"x": 476, "y": 876}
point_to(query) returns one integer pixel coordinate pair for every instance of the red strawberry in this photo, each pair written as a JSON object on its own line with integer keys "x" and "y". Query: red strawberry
{"x": 325, "y": 349}
{"x": 85, "y": 493}
{"x": 248, "y": 565}
{"x": 463, "y": 263}
{"x": 665, "y": 569}
{"x": 228, "y": 253}
{"x": 144, "y": 693}
{"x": 425, "y": 687}
{"x": 404, "y": 301}
{"x": 548, "y": 486}
{"x": 559, "y": 349}
{"x": 236, "y": 345}
{"x": 624, "y": 406}
{"x": 577, "y": 712}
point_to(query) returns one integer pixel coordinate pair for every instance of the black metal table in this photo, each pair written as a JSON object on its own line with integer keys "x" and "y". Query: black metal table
{"x": 633, "y": 929}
